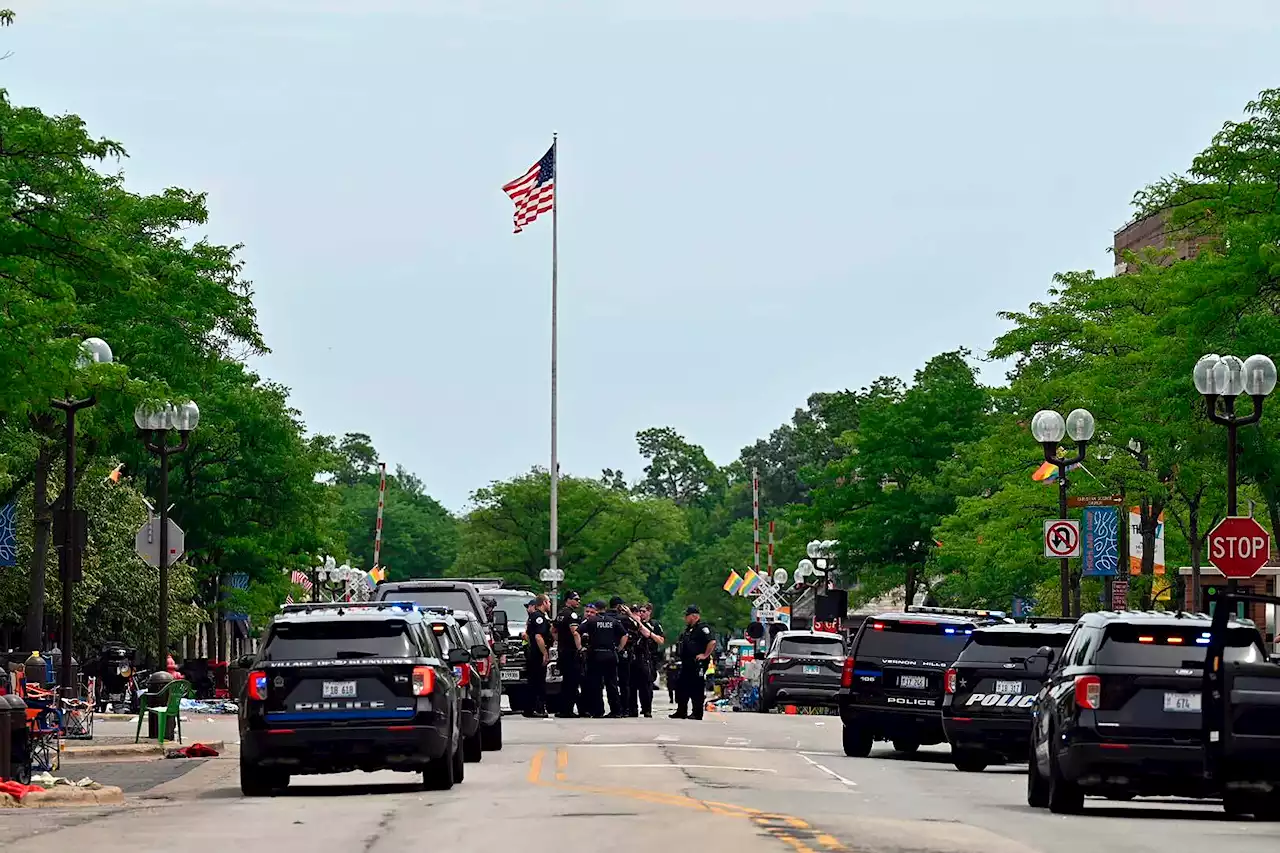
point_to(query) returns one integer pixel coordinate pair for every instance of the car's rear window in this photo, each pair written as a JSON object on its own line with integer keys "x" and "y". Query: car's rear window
{"x": 810, "y": 646}
{"x": 332, "y": 640}
{"x": 1173, "y": 646}
{"x": 1006, "y": 646}
{"x": 454, "y": 599}
{"x": 923, "y": 641}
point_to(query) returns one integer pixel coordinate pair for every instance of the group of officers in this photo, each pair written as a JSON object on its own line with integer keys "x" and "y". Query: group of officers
{"x": 611, "y": 652}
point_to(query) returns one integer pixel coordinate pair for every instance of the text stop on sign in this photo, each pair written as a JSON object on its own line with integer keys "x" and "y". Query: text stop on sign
{"x": 1239, "y": 547}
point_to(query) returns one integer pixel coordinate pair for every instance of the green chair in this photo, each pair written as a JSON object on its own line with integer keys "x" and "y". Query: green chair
{"x": 172, "y": 695}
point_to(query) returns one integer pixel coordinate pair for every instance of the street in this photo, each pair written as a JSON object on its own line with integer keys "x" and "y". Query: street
{"x": 735, "y": 781}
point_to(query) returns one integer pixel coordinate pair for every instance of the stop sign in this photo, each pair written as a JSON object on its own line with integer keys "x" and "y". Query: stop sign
{"x": 1239, "y": 547}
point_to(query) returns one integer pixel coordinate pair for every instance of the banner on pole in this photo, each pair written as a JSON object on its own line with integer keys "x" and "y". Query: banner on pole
{"x": 1135, "y": 542}
{"x": 9, "y": 535}
{"x": 1101, "y": 534}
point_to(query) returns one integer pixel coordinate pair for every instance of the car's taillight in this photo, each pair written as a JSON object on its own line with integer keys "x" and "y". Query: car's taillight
{"x": 258, "y": 685}
{"x": 846, "y": 674}
{"x": 463, "y": 673}
{"x": 424, "y": 680}
{"x": 781, "y": 660}
{"x": 482, "y": 666}
{"x": 1089, "y": 692}
{"x": 949, "y": 682}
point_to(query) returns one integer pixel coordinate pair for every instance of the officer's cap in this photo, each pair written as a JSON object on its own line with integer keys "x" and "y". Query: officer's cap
{"x": 598, "y": 605}
{"x": 692, "y": 609}
{"x": 572, "y": 596}
{"x": 530, "y": 603}
{"x": 616, "y": 600}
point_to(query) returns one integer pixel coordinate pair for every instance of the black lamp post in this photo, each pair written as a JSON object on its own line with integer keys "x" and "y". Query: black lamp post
{"x": 74, "y": 532}
{"x": 1049, "y": 428}
{"x": 154, "y": 425}
{"x": 1225, "y": 378}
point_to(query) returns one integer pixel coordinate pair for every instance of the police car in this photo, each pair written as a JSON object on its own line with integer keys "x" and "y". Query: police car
{"x": 343, "y": 686}
{"x": 891, "y": 686}
{"x": 989, "y": 690}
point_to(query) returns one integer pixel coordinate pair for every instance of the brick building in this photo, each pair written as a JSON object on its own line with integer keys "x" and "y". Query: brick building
{"x": 1150, "y": 232}
{"x": 1265, "y": 582}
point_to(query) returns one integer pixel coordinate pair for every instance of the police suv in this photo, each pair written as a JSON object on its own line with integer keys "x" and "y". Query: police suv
{"x": 891, "y": 687}
{"x": 343, "y": 686}
{"x": 989, "y": 690}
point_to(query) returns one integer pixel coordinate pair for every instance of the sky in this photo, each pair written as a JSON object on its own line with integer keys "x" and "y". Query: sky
{"x": 758, "y": 200}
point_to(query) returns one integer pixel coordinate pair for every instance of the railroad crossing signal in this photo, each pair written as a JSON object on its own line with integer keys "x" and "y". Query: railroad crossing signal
{"x": 1239, "y": 546}
{"x": 1061, "y": 538}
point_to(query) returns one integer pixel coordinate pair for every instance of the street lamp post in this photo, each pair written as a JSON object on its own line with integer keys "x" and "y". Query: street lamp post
{"x": 70, "y": 555}
{"x": 1049, "y": 428}
{"x": 154, "y": 425}
{"x": 1227, "y": 377}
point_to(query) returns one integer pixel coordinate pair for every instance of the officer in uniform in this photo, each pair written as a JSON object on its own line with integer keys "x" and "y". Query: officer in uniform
{"x": 626, "y": 651}
{"x": 606, "y": 636}
{"x": 569, "y": 645}
{"x": 591, "y": 699}
{"x": 696, "y": 646}
{"x": 645, "y": 642}
{"x": 537, "y": 652}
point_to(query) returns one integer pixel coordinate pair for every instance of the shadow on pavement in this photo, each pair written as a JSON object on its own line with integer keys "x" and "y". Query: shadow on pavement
{"x": 1164, "y": 810}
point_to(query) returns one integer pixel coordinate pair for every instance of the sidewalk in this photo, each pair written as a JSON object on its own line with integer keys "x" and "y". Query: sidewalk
{"x": 113, "y": 737}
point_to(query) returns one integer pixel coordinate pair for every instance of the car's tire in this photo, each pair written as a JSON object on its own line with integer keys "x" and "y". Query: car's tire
{"x": 491, "y": 736}
{"x": 766, "y": 703}
{"x": 1244, "y": 803}
{"x": 857, "y": 742}
{"x": 1037, "y": 785}
{"x": 969, "y": 761}
{"x": 1065, "y": 796}
{"x": 906, "y": 747}
{"x": 519, "y": 700}
{"x": 438, "y": 775}
{"x": 472, "y": 747}
{"x": 460, "y": 762}
{"x": 257, "y": 782}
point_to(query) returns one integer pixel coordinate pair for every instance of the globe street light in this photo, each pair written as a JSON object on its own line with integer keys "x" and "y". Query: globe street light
{"x": 1227, "y": 377}
{"x": 1049, "y": 428}
{"x": 74, "y": 533}
{"x": 154, "y": 424}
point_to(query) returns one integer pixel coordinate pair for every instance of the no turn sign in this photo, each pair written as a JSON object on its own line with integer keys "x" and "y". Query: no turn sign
{"x": 1061, "y": 538}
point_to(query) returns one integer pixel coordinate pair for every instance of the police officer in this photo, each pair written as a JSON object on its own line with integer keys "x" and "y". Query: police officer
{"x": 645, "y": 642}
{"x": 537, "y": 652}
{"x": 569, "y": 646}
{"x": 591, "y": 700}
{"x": 696, "y": 646}
{"x": 605, "y": 635}
{"x": 626, "y": 650}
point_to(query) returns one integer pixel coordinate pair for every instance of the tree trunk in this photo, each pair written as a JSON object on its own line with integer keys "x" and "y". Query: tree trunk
{"x": 33, "y": 635}
{"x": 1193, "y": 528}
{"x": 1150, "y": 516}
{"x": 909, "y": 587}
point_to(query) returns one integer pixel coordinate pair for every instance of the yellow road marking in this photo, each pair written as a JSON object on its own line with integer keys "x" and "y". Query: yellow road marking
{"x": 779, "y": 826}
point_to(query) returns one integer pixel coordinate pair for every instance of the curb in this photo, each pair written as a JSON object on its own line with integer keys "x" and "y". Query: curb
{"x": 132, "y": 750}
{"x": 66, "y": 797}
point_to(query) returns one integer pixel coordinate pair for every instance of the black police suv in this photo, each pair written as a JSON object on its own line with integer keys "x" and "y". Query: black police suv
{"x": 450, "y": 636}
{"x": 989, "y": 690}
{"x": 485, "y": 671}
{"x": 802, "y": 667}
{"x": 340, "y": 687}
{"x": 891, "y": 687}
{"x": 1119, "y": 715}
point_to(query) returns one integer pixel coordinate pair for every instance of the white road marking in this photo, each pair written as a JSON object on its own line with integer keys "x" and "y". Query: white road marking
{"x": 833, "y": 774}
{"x": 666, "y": 739}
{"x": 695, "y": 767}
{"x": 737, "y": 741}
{"x": 589, "y": 738}
{"x": 680, "y": 746}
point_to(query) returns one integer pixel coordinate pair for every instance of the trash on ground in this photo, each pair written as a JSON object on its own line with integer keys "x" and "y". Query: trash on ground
{"x": 196, "y": 750}
{"x": 209, "y": 706}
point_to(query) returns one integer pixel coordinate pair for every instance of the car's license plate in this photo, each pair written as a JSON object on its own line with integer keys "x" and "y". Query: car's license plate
{"x": 913, "y": 682}
{"x": 511, "y": 675}
{"x": 1009, "y": 687}
{"x": 339, "y": 690}
{"x": 812, "y": 670}
{"x": 1187, "y": 703}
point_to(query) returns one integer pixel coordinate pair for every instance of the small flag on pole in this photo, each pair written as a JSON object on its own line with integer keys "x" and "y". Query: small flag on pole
{"x": 1048, "y": 472}
{"x": 534, "y": 191}
{"x": 288, "y": 599}
{"x": 114, "y": 476}
{"x": 750, "y": 581}
{"x": 733, "y": 584}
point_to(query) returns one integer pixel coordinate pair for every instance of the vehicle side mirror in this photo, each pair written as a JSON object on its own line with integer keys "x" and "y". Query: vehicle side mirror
{"x": 244, "y": 662}
{"x": 500, "y": 619}
{"x": 1045, "y": 652}
{"x": 457, "y": 657}
{"x": 479, "y": 652}
{"x": 500, "y": 648}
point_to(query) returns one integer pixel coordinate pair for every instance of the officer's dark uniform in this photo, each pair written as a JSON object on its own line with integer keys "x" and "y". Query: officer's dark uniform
{"x": 673, "y": 676}
{"x": 640, "y": 683}
{"x": 603, "y": 634}
{"x": 538, "y": 625}
{"x": 591, "y": 697}
{"x": 567, "y": 657}
{"x": 625, "y": 653}
{"x": 690, "y": 689}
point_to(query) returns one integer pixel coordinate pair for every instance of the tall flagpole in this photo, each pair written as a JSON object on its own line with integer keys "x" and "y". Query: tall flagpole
{"x": 553, "y": 553}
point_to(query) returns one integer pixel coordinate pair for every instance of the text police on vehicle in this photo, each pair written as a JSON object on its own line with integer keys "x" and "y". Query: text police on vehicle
{"x": 341, "y": 687}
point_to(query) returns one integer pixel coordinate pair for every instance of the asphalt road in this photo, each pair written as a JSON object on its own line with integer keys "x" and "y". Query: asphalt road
{"x": 746, "y": 783}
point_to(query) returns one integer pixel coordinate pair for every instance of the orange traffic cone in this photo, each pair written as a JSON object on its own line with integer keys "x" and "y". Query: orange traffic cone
{"x": 791, "y": 709}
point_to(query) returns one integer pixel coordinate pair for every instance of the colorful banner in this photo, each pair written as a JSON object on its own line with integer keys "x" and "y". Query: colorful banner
{"x": 9, "y": 535}
{"x": 1100, "y": 532}
{"x": 1135, "y": 542}
{"x": 734, "y": 584}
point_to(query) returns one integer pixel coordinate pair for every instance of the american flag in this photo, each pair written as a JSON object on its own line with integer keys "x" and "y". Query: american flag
{"x": 534, "y": 192}
{"x": 288, "y": 599}
{"x": 301, "y": 579}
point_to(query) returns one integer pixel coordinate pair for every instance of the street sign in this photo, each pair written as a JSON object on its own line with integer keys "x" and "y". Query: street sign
{"x": 1239, "y": 546}
{"x": 1120, "y": 594}
{"x": 147, "y": 542}
{"x": 1061, "y": 538}
{"x": 1080, "y": 503}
